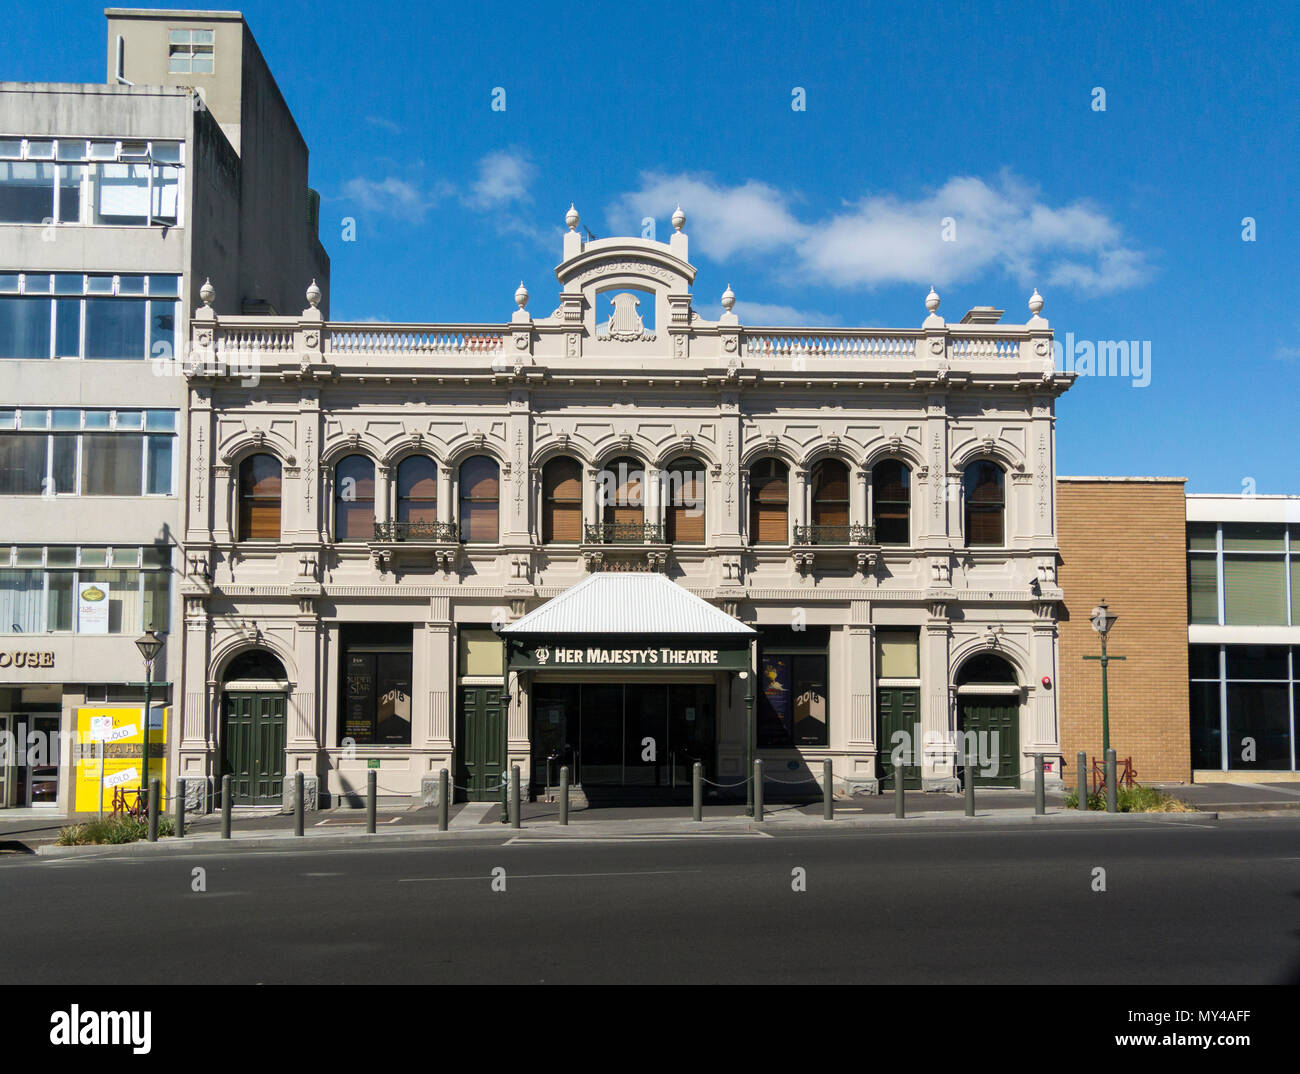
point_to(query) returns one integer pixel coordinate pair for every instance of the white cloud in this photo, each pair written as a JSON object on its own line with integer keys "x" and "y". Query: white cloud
{"x": 749, "y": 218}
{"x": 762, "y": 313}
{"x": 1001, "y": 224}
{"x": 392, "y": 195}
{"x": 384, "y": 123}
{"x": 503, "y": 177}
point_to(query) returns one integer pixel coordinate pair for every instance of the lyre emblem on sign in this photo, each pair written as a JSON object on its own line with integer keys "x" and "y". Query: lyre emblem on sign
{"x": 625, "y": 323}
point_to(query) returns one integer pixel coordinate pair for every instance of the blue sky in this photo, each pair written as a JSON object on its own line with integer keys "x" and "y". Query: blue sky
{"x": 1128, "y": 220}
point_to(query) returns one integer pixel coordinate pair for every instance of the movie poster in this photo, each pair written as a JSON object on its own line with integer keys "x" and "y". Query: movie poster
{"x": 775, "y": 709}
{"x": 810, "y": 702}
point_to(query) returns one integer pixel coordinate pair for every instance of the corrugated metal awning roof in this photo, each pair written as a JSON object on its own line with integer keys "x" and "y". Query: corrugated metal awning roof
{"x": 627, "y": 604}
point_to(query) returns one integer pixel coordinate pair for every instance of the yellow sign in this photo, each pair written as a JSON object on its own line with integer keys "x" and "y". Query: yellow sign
{"x": 119, "y": 731}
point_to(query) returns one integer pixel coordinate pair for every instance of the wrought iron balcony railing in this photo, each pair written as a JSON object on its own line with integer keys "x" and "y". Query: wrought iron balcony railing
{"x": 435, "y": 532}
{"x": 854, "y": 534}
{"x": 623, "y": 533}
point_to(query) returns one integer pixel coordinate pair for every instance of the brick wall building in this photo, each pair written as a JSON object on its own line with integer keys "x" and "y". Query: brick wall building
{"x": 1124, "y": 539}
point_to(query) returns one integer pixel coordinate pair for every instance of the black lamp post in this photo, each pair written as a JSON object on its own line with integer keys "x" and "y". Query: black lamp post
{"x": 148, "y": 644}
{"x": 1102, "y": 620}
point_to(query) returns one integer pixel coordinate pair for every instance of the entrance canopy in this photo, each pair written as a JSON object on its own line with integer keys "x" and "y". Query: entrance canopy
{"x": 641, "y": 622}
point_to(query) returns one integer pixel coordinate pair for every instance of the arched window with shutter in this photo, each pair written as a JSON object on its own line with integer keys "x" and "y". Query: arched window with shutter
{"x": 562, "y": 501}
{"x": 830, "y": 501}
{"x": 417, "y": 491}
{"x": 684, "y": 514}
{"x": 891, "y": 501}
{"x": 769, "y": 502}
{"x": 983, "y": 483}
{"x": 259, "y": 498}
{"x": 622, "y": 493}
{"x": 354, "y": 499}
{"x": 480, "y": 500}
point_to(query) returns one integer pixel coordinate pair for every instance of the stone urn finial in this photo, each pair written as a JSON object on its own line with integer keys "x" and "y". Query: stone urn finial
{"x": 1035, "y": 303}
{"x": 932, "y": 301}
{"x": 521, "y": 295}
{"x": 207, "y": 293}
{"x": 728, "y": 299}
{"x": 313, "y": 294}
{"x": 572, "y": 218}
{"x": 679, "y": 219}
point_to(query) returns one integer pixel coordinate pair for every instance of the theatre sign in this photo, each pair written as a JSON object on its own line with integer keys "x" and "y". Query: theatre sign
{"x": 575, "y": 653}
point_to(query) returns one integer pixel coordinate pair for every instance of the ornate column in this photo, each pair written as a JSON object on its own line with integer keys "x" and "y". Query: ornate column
{"x": 654, "y": 515}
{"x": 936, "y": 698}
{"x": 446, "y": 493}
{"x": 799, "y": 497}
{"x": 383, "y": 491}
{"x": 860, "y": 507}
{"x": 222, "y": 503}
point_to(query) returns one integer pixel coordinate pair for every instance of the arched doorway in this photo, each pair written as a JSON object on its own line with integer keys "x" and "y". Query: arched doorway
{"x": 254, "y": 699}
{"x": 988, "y": 719}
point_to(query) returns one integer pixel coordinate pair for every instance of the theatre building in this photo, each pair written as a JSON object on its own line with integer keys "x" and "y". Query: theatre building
{"x": 619, "y": 536}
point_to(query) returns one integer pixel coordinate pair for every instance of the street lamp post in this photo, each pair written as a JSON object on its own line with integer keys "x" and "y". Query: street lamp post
{"x": 148, "y": 644}
{"x": 1102, "y": 620}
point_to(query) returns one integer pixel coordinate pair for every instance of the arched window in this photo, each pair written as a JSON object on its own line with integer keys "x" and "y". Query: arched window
{"x": 417, "y": 491}
{"x": 985, "y": 503}
{"x": 986, "y": 669}
{"x": 891, "y": 501}
{"x": 622, "y": 497}
{"x": 562, "y": 501}
{"x": 830, "y": 500}
{"x": 684, "y": 503}
{"x": 256, "y": 664}
{"x": 354, "y": 499}
{"x": 259, "y": 498}
{"x": 480, "y": 500}
{"x": 769, "y": 502}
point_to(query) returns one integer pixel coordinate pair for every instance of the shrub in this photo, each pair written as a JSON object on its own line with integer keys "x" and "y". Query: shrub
{"x": 1136, "y": 799}
{"x": 115, "y": 829}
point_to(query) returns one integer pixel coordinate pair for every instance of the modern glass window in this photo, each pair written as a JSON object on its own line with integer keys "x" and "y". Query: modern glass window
{"x": 793, "y": 704}
{"x": 480, "y": 495}
{"x": 562, "y": 501}
{"x": 42, "y": 588}
{"x": 1243, "y": 707}
{"x": 684, "y": 515}
{"x": 417, "y": 490}
{"x": 830, "y": 497}
{"x": 107, "y": 183}
{"x": 769, "y": 502}
{"x": 354, "y": 499}
{"x": 983, "y": 483}
{"x": 259, "y": 498}
{"x": 56, "y": 453}
{"x": 71, "y": 315}
{"x": 190, "y": 51}
{"x": 1243, "y": 574}
{"x": 891, "y": 501}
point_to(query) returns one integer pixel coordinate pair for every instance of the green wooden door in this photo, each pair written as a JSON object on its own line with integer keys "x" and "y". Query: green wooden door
{"x": 481, "y": 742}
{"x": 996, "y": 721}
{"x": 252, "y": 746}
{"x": 898, "y": 708}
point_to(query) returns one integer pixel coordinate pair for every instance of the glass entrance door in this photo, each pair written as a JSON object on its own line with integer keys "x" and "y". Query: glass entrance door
{"x": 644, "y": 735}
{"x": 30, "y": 773}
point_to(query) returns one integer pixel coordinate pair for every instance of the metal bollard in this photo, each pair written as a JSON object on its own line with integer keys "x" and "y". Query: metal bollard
{"x": 900, "y": 810}
{"x": 297, "y": 803}
{"x": 969, "y": 781}
{"x": 1112, "y": 796}
{"x": 442, "y": 799}
{"x": 179, "y": 807}
{"x": 564, "y": 794}
{"x": 514, "y": 796}
{"x": 758, "y": 789}
{"x": 372, "y": 790}
{"x": 1040, "y": 793}
{"x": 1082, "y": 761}
{"x": 697, "y": 791}
{"x": 505, "y": 799}
{"x": 154, "y": 796}
{"x": 828, "y": 791}
{"x": 225, "y": 807}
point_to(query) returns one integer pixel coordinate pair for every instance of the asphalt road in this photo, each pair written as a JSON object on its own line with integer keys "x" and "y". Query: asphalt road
{"x": 1183, "y": 904}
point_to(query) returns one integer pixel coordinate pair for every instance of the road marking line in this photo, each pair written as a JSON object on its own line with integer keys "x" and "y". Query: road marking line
{"x": 484, "y": 877}
{"x": 544, "y": 840}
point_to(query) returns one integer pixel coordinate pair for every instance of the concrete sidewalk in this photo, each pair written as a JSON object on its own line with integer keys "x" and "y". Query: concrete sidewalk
{"x": 644, "y": 827}
{"x": 483, "y": 819}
